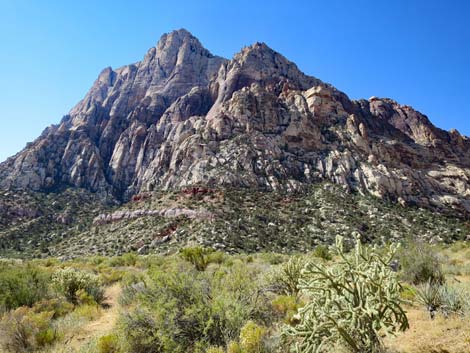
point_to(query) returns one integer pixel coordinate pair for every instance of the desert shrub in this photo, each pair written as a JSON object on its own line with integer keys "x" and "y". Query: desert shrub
{"x": 140, "y": 332}
{"x": 351, "y": 302}
{"x": 234, "y": 347}
{"x": 23, "y": 285}
{"x": 408, "y": 292}
{"x": 455, "y": 301}
{"x": 132, "y": 277}
{"x": 58, "y": 306}
{"x": 128, "y": 259}
{"x": 112, "y": 276}
{"x": 132, "y": 291}
{"x": 286, "y": 306}
{"x": 273, "y": 258}
{"x": 420, "y": 264}
{"x": 198, "y": 256}
{"x": 189, "y": 311}
{"x": 108, "y": 344}
{"x": 70, "y": 281}
{"x": 83, "y": 298}
{"x": 251, "y": 338}
{"x": 216, "y": 257}
{"x": 87, "y": 312}
{"x": 285, "y": 278}
{"x": 23, "y": 330}
{"x": 322, "y": 252}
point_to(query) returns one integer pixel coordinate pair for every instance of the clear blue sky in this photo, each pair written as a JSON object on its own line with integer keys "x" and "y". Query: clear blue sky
{"x": 417, "y": 52}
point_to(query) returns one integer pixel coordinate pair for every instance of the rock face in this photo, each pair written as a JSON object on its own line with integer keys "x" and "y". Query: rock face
{"x": 183, "y": 117}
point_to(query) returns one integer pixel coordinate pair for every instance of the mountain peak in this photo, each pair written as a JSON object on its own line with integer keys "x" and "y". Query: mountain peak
{"x": 182, "y": 117}
{"x": 174, "y": 40}
{"x": 178, "y": 35}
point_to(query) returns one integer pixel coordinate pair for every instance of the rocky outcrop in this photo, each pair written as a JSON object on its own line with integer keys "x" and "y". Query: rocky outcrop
{"x": 173, "y": 212}
{"x": 184, "y": 117}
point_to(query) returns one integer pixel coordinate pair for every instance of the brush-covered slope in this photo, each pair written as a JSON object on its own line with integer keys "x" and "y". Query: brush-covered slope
{"x": 233, "y": 220}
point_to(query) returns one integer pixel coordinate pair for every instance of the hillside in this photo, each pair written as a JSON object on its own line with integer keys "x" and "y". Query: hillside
{"x": 232, "y": 220}
{"x": 246, "y": 154}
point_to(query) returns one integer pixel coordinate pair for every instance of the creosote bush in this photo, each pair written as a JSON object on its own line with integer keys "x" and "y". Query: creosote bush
{"x": 24, "y": 330}
{"x": 181, "y": 309}
{"x": 322, "y": 252}
{"x": 198, "y": 256}
{"x": 350, "y": 303}
{"x": 285, "y": 278}
{"x": 21, "y": 285}
{"x": 108, "y": 344}
{"x": 420, "y": 263}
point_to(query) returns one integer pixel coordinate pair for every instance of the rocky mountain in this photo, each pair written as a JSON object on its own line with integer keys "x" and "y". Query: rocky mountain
{"x": 184, "y": 117}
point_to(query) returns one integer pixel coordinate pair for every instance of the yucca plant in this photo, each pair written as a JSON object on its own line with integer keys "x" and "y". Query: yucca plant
{"x": 442, "y": 298}
{"x": 351, "y": 303}
{"x": 430, "y": 295}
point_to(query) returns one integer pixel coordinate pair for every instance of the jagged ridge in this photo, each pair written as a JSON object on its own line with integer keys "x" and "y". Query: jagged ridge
{"x": 183, "y": 116}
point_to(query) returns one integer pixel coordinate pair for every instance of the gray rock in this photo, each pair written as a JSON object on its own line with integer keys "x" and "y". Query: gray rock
{"x": 183, "y": 116}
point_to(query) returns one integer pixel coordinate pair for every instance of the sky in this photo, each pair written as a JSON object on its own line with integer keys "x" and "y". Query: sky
{"x": 416, "y": 52}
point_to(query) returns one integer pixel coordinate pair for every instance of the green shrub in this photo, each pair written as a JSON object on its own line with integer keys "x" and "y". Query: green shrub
{"x": 351, "y": 302}
{"x": 408, "y": 292}
{"x": 286, "y": 306}
{"x": 87, "y": 312}
{"x": 108, "y": 344}
{"x": 216, "y": 257}
{"x": 70, "y": 281}
{"x": 128, "y": 259}
{"x": 140, "y": 333}
{"x": 322, "y": 252}
{"x": 214, "y": 349}
{"x": 23, "y": 330}
{"x": 251, "y": 338}
{"x": 189, "y": 311}
{"x": 273, "y": 258}
{"x": 234, "y": 347}
{"x": 59, "y": 306}
{"x": 111, "y": 276}
{"x": 23, "y": 285}
{"x": 420, "y": 264}
{"x": 198, "y": 256}
{"x": 285, "y": 278}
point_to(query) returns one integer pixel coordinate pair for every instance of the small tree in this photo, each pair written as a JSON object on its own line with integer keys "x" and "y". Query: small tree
{"x": 351, "y": 302}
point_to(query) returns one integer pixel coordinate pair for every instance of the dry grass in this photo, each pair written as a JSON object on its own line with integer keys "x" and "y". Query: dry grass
{"x": 441, "y": 335}
{"x": 82, "y": 336}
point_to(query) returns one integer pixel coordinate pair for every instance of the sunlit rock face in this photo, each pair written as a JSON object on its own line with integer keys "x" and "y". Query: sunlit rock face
{"x": 183, "y": 116}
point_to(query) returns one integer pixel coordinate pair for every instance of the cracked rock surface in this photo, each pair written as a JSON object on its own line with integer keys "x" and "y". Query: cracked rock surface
{"x": 183, "y": 116}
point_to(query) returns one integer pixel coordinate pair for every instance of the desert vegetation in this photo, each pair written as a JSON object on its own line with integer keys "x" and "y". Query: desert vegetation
{"x": 349, "y": 297}
{"x": 57, "y": 225}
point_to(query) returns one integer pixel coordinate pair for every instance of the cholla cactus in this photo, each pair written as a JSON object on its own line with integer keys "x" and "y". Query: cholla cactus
{"x": 351, "y": 302}
{"x": 70, "y": 281}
